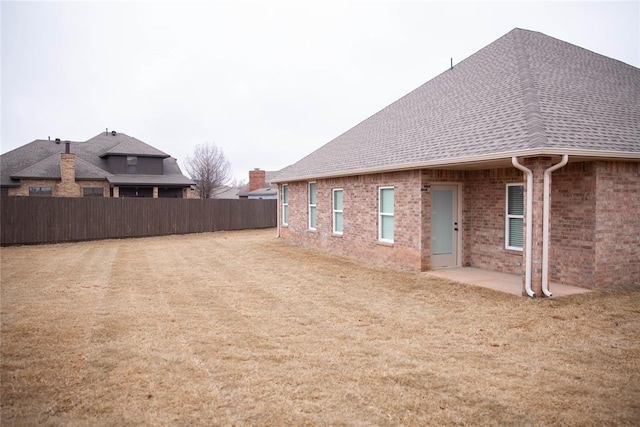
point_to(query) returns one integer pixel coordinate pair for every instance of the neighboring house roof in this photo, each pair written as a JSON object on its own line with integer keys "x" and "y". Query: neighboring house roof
{"x": 226, "y": 192}
{"x": 269, "y": 176}
{"x": 126, "y": 146}
{"x": 271, "y": 191}
{"x": 40, "y": 159}
{"x": 524, "y": 94}
{"x": 49, "y": 168}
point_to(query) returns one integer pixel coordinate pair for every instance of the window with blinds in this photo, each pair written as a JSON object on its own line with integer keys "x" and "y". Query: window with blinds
{"x": 514, "y": 227}
{"x": 385, "y": 214}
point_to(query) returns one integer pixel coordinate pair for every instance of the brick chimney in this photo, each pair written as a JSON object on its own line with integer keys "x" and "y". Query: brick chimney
{"x": 256, "y": 179}
{"x": 68, "y": 186}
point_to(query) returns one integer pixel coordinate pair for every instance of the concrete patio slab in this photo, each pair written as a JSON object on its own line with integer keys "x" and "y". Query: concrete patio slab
{"x": 509, "y": 283}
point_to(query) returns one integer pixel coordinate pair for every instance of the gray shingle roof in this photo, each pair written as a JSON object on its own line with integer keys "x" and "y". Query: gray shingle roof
{"x": 49, "y": 168}
{"x": 524, "y": 94}
{"x": 125, "y": 145}
{"x": 41, "y": 159}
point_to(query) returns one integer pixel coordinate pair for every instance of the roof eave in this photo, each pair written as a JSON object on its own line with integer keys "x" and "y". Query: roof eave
{"x": 107, "y": 154}
{"x": 470, "y": 160}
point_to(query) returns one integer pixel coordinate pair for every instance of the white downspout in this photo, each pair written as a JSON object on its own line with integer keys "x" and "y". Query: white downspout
{"x": 529, "y": 230}
{"x": 546, "y": 208}
{"x": 278, "y": 211}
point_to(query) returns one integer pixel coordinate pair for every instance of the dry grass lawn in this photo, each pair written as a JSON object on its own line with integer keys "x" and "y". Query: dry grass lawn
{"x": 241, "y": 328}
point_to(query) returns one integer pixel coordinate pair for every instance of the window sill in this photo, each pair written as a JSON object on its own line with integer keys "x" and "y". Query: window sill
{"x": 337, "y": 235}
{"x": 514, "y": 251}
{"x": 387, "y": 244}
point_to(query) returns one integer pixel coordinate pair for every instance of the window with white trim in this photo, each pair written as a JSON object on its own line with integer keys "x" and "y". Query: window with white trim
{"x": 514, "y": 224}
{"x": 385, "y": 214}
{"x": 338, "y": 224}
{"x": 313, "y": 210}
{"x": 285, "y": 205}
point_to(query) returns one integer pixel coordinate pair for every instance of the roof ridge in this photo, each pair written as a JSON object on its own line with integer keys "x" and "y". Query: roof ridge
{"x": 531, "y": 106}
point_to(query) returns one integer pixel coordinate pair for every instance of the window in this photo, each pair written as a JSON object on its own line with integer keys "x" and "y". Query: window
{"x": 40, "y": 191}
{"x": 285, "y": 204}
{"x": 385, "y": 214}
{"x": 92, "y": 192}
{"x": 515, "y": 217}
{"x": 132, "y": 164}
{"x": 313, "y": 212}
{"x": 337, "y": 211}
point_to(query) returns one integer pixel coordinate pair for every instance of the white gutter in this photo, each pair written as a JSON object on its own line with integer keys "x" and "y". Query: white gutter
{"x": 529, "y": 231}
{"x": 546, "y": 208}
{"x": 464, "y": 161}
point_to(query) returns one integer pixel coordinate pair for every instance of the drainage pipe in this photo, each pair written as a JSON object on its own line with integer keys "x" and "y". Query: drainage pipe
{"x": 529, "y": 230}
{"x": 546, "y": 208}
{"x": 278, "y": 213}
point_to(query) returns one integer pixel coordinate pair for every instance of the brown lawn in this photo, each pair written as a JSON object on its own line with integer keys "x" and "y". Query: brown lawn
{"x": 241, "y": 328}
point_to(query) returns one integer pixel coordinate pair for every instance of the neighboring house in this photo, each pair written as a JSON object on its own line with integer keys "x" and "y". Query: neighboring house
{"x": 470, "y": 169}
{"x": 226, "y": 192}
{"x": 259, "y": 186}
{"x": 110, "y": 164}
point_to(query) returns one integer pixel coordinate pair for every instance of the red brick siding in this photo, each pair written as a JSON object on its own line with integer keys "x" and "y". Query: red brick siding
{"x": 572, "y": 225}
{"x": 360, "y": 236}
{"x": 484, "y": 200}
{"x": 617, "y": 234}
{"x": 594, "y": 223}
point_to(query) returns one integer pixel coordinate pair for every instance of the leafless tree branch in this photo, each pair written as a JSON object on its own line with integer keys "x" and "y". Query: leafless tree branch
{"x": 209, "y": 168}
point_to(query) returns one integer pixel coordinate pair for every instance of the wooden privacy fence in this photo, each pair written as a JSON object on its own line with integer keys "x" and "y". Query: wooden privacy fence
{"x": 25, "y": 220}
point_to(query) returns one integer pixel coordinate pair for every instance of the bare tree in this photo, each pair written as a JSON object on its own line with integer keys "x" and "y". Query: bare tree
{"x": 209, "y": 168}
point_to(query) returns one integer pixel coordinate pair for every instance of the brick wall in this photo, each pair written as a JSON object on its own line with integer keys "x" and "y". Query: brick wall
{"x": 360, "y": 236}
{"x": 482, "y": 222}
{"x": 572, "y": 225}
{"x": 23, "y": 190}
{"x": 594, "y": 223}
{"x": 484, "y": 199}
{"x": 617, "y": 235}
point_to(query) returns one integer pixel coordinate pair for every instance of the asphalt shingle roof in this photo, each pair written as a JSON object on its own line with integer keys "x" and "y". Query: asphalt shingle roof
{"x": 125, "y": 145}
{"x": 41, "y": 159}
{"x": 523, "y": 93}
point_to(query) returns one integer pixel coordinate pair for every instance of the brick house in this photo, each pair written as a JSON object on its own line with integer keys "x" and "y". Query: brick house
{"x": 259, "y": 186}
{"x": 524, "y": 158}
{"x": 110, "y": 164}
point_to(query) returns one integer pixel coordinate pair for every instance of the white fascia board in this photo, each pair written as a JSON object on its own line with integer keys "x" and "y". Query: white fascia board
{"x": 483, "y": 158}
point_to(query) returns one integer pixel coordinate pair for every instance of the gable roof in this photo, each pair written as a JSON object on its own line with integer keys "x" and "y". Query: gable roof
{"x": 40, "y": 159}
{"x": 524, "y": 94}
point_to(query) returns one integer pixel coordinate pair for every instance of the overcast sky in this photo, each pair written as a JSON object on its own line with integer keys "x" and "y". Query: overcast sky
{"x": 267, "y": 81}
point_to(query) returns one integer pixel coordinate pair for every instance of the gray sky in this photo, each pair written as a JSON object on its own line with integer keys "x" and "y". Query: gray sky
{"x": 267, "y": 81}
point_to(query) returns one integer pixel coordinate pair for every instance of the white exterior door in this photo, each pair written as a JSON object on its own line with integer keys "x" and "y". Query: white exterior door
{"x": 444, "y": 226}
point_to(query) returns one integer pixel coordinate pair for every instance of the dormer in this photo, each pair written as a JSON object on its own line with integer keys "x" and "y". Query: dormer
{"x": 132, "y": 156}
